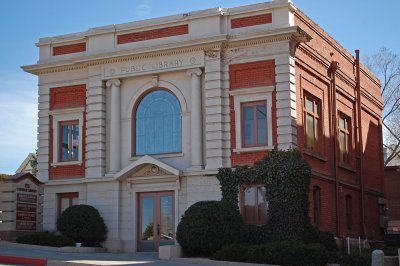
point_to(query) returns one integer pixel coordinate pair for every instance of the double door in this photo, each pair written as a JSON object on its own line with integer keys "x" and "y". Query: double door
{"x": 156, "y": 225}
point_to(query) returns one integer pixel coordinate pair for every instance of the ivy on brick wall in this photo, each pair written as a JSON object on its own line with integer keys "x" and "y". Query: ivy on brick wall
{"x": 286, "y": 176}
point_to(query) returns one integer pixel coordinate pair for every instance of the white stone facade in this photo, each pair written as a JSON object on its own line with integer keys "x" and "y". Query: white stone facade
{"x": 195, "y": 68}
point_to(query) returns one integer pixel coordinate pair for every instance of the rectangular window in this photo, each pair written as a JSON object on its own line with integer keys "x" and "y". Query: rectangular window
{"x": 69, "y": 141}
{"x": 254, "y": 206}
{"x": 254, "y": 124}
{"x": 312, "y": 118}
{"x": 66, "y": 200}
{"x": 344, "y": 139}
{"x": 317, "y": 205}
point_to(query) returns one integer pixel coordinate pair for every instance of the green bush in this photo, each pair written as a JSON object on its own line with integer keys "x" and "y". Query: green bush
{"x": 344, "y": 259}
{"x": 83, "y": 224}
{"x": 254, "y": 234}
{"x": 45, "y": 239}
{"x": 280, "y": 252}
{"x": 207, "y": 226}
{"x": 326, "y": 239}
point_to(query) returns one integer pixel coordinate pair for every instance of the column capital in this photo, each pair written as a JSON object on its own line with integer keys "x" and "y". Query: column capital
{"x": 115, "y": 82}
{"x": 194, "y": 71}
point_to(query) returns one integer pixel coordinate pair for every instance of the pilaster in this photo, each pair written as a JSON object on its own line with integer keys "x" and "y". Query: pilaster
{"x": 196, "y": 120}
{"x": 286, "y": 101}
{"x": 95, "y": 125}
{"x": 115, "y": 125}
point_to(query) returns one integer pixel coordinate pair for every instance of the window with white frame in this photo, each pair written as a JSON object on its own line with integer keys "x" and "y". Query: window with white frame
{"x": 67, "y": 136}
{"x": 253, "y": 118}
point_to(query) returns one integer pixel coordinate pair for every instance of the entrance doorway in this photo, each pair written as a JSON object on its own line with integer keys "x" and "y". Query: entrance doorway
{"x": 156, "y": 225}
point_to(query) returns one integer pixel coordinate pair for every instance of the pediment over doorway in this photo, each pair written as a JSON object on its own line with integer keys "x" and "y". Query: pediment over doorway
{"x": 147, "y": 166}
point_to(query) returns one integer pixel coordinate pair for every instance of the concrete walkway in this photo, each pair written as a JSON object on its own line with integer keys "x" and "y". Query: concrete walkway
{"x": 21, "y": 254}
{"x": 15, "y": 252}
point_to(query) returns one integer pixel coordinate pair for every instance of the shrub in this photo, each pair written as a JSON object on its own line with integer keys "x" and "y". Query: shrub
{"x": 83, "y": 224}
{"x": 45, "y": 239}
{"x": 254, "y": 234}
{"x": 326, "y": 239}
{"x": 344, "y": 259}
{"x": 280, "y": 252}
{"x": 207, "y": 226}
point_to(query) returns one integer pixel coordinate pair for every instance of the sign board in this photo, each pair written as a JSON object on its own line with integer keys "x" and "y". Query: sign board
{"x": 26, "y": 209}
{"x": 26, "y": 198}
{"x": 26, "y": 225}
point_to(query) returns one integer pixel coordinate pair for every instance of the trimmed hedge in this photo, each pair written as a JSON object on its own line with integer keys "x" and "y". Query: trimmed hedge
{"x": 281, "y": 253}
{"x": 207, "y": 226}
{"x": 45, "y": 239}
{"x": 83, "y": 224}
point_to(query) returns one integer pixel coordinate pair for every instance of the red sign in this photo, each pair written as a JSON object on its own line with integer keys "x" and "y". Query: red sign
{"x": 26, "y": 225}
{"x": 26, "y": 216}
{"x": 26, "y": 198}
{"x": 24, "y": 207}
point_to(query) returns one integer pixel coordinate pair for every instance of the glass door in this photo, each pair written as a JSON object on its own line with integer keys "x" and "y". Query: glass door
{"x": 156, "y": 225}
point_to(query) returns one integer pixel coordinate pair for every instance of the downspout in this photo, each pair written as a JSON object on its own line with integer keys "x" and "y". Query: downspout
{"x": 360, "y": 142}
{"x": 333, "y": 68}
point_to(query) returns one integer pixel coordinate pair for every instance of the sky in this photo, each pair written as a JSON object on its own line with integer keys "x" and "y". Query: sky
{"x": 357, "y": 24}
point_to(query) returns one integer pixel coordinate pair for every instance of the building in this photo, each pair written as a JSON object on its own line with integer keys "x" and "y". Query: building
{"x": 28, "y": 165}
{"x": 135, "y": 119}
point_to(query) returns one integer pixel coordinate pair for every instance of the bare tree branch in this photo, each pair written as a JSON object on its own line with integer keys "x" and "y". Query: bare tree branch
{"x": 386, "y": 65}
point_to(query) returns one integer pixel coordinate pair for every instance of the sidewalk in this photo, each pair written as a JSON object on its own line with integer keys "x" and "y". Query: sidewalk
{"x": 35, "y": 255}
{"x": 21, "y": 254}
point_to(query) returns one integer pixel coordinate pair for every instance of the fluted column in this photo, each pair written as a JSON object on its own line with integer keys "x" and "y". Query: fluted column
{"x": 196, "y": 120}
{"x": 115, "y": 125}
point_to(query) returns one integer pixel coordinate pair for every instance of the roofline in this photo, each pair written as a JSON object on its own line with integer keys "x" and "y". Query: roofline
{"x": 161, "y": 21}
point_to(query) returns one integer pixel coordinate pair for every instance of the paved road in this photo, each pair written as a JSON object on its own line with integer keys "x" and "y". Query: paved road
{"x": 61, "y": 258}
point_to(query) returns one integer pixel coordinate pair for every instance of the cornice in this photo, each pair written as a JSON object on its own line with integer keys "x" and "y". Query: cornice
{"x": 332, "y": 42}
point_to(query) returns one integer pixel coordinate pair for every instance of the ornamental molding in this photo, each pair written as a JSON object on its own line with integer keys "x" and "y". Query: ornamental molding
{"x": 212, "y": 47}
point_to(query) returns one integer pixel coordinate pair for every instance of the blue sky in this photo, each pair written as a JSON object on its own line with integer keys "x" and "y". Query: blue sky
{"x": 357, "y": 24}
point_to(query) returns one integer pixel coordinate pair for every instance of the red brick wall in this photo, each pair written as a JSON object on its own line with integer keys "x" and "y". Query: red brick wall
{"x": 392, "y": 188}
{"x": 312, "y": 77}
{"x": 69, "y": 49}
{"x": 251, "y": 21}
{"x": 254, "y": 74}
{"x": 153, "y": 34}
{"x": 328, "y": 215}
{"x": 67, "y": 97}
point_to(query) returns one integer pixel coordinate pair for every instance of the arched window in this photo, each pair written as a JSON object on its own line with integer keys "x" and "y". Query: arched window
{"x": 158, "y": 124}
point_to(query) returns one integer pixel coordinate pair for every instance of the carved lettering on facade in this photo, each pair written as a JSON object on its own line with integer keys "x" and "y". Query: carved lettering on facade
{"x": 145, "y": 66}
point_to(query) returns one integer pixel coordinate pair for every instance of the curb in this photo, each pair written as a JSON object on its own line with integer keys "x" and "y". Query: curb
{"x": 61, "y": 249}
{"x": 23, "y": 260}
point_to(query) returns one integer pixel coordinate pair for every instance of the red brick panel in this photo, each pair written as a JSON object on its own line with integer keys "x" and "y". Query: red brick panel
{"x": 251, "y": 21}
{"x": 68, "y": 97}
{"x": 153, "y": 34}
{"x": 252, "y": 74}
{"x": 69, "y": 49}
{"x": 372, "y": 157}
{"x": 328, "y": 209}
